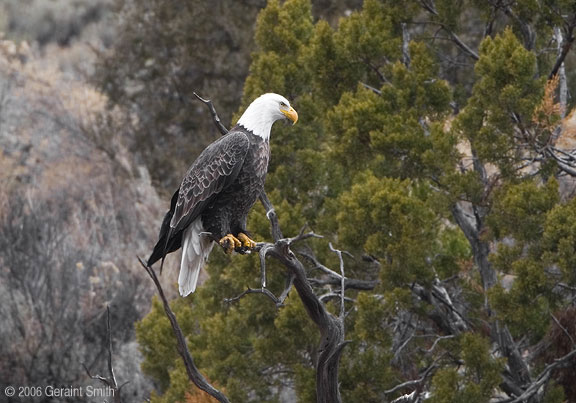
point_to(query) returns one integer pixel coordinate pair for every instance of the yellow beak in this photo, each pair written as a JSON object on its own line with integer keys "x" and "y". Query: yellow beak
{"x": 291, "y": 114}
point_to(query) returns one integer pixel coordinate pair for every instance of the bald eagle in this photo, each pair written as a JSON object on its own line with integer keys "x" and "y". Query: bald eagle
{"x": 218, "y": 191}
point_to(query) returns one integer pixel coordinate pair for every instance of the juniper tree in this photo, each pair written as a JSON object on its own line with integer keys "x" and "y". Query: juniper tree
{"x": 428, "y": 148}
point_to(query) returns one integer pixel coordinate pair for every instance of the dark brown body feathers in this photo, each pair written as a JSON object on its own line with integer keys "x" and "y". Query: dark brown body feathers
{"x": 220, "y": 187}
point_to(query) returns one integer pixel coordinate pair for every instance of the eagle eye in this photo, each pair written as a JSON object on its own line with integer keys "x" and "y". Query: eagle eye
{"x": 282, "y": 103}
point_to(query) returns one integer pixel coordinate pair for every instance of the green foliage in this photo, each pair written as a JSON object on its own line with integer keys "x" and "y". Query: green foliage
{"x": 378, "y": 165}
{"x": 519, "y": 210}
{"x": 154, "y": 335}
{"x": 399, "y": 229}
{"x": 280, "y": 34}
{"x": 475, "y": 384}
{"x": 506, "y": 89}
{"x": 559, "y": 240}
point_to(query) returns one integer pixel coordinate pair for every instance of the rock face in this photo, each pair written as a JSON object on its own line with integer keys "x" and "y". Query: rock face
{"x": 75, "y": 210}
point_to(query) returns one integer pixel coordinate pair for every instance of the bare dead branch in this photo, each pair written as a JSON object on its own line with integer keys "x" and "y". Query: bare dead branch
{"x": 414, "y": 382}
{"x": 334, "y": 295}
{"x": 272, "y": 217}
{"x": 263, "y": 251}
{"x": 349, "y": 283}
{"x": 331, "y": 328}
{"x": 110, "y": 367}
{"x": 303, "y": 236}
{"x": 565, "y": 46}
{"x": 405, "y": 45}
{"x": 335, "y": 278}
{"x": 562, "y": 82}
{"x": 561, "y": 163}
{"x": 193, "y": 373}
{"x": 455, "y": 38}
{"x": 541, "y": 380}
{"x": 563, "y": 329}
{"x": 527, "y": 31}
{"x": 221, "y": 128}
{"x": 263, "y": 291}
{"x": 450, "y": 336}
{"x": 342, "y": 280}
{"x": 109, "y": 381}
{"x": 318, "y": 265}
{"x": 369, "y": 87}
{"x": 407, "y": 398}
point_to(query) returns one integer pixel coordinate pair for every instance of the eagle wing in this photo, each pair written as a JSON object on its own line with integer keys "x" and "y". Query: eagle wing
{"x": 215, "y": 169}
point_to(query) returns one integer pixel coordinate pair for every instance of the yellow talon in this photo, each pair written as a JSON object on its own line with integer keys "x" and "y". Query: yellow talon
{"x": 229, "y": 243}
{"x": 246, "y": 242}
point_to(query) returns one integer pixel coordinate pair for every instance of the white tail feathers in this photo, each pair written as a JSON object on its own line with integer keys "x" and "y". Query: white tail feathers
{"x": 195, "y": 252}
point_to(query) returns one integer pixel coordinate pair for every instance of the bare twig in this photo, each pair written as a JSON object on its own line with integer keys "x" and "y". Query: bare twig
{"x": 455, "y": 38}
{"x": 263, "y": 291}
{"x": 109, "y": 381}
{"x": 414, "y": 382}
{"x": 369, "y": 87}
{"x": 450, "y": 336}
{"x": 302, "y": 236}
{"x": 342, "y": 280}
{"x": 193, "y": 374}
{"x": 272, "y": 217}
{"x": 334, "y": 278}
{"x": 334, "y": 295}
{"x": 349, "y": 283}
{"x": 563, "y": 329}
{"x": 221, "y": 128}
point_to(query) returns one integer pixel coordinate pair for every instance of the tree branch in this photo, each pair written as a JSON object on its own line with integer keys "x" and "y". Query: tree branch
{"x": 217, "y": 122}
{"x": 263, "y": 291}
{"x": 111, "y": 380}
{"x": 541, "y": 380}
{"x": 405, "y": 45}
{"x": 413, "y": 382}
{"x": 566, "y": 46}
{"x": 272, "y": 217}
{"x": 193, "y": 374}
{"x": 342, "y": 281}
{"x": 335, "y": 278}
{"x": 349, "y": 283}
{"x": 455, "y": 38}
{"x": 331, "y": 328}
{"x": 562, "y": 84}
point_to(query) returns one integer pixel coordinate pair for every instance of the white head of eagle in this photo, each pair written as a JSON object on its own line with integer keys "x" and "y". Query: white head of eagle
{"x": 212, "y": 203}
{"x": 264, "y": 111}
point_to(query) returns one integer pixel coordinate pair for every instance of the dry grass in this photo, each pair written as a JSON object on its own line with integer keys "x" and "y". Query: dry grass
{"x": 85, "y": 211}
